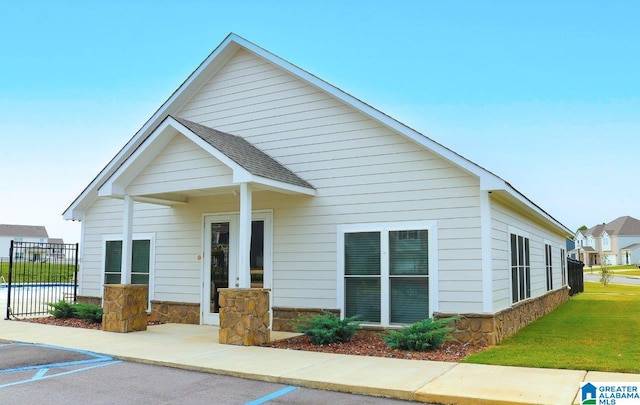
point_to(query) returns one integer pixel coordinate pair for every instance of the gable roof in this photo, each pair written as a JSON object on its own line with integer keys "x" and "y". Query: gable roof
{"x": 231, "y": 44}
{"x": 245, "y": 154}
{"x": 23, "y": 231}
{"x": 622, "y": 226}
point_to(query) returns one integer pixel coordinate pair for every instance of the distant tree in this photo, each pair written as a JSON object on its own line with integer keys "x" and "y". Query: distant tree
{"x": 583, "y": 228}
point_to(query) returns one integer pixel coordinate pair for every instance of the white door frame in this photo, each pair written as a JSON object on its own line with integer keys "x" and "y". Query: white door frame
{"x": 232, "y": 218}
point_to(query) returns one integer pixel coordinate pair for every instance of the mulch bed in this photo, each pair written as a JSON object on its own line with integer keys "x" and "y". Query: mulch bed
{"x": 362, "y": 344}
{"x": 371, "y": 344}
{"x": 71, "y": 322}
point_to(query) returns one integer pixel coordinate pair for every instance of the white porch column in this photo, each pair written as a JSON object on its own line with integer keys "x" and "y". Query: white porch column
{"x": 244, "y": 237}
{"x": 127, "y": 240}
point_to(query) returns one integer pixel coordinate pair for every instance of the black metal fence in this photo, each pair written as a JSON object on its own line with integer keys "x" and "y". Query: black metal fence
{"x": 576, "y": 276}
{"x": 39, "y": 274}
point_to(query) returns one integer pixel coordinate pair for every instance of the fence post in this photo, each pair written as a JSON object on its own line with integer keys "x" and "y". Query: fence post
{"x": 9, "y": 281}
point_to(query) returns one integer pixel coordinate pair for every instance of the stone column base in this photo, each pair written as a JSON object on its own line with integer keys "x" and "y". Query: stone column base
{"x": 244, "y": 316}
{"x": 125, "y": 307}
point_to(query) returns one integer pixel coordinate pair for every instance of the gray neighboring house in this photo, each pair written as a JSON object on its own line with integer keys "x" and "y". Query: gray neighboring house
{"x": 20, "y": 233}
{"x": 617, "y": 242}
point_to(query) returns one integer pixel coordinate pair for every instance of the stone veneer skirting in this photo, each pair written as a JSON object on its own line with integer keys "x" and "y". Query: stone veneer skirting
{"x": 244, "y": 316}
{"x": 491, "y": 329}
{"x": 85, "y": 299}
{"x": 285, "y": 319}
{"x": 174, "y": 312}
{"x": 125, "y": 308}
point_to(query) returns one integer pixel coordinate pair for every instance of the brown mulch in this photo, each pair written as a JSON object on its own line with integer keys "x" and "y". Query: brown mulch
{"x": 71, "y": 322}
{"x": 362, "y": 344}
{"x": 371, "y": 344}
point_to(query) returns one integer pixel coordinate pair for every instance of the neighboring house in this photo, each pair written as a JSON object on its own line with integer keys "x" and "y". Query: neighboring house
{"x": 571, "y": 246}
{"x": 22, "y": 233}
{"x": 617, "y": 242}
{"x": 56, "y": 249}
{"x": 256, "y": 173}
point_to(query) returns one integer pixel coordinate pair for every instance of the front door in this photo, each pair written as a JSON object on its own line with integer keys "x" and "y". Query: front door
{"x": 220, "y": 258}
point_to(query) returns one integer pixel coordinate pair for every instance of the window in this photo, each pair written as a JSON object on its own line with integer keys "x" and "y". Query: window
{"x": 606, "y": 242}
{"x": 548, "y": 266}
{"x": 141, "y": 254}
{"x": 563, "y": 267}
{"x": 520, "y": 268}
{"x": 386, "y": 274}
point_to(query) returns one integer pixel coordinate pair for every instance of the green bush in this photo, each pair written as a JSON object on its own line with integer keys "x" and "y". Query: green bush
{"x": 428, "y": 334}
{"x": 328, "y": 328}
{"x": 62, "y": 309}
{"x": 88, "y": 312}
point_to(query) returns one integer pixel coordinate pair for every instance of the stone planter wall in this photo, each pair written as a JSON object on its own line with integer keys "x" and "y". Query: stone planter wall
{"x": 491, "y": 329}
{"x": 175, "y": 312}
{"x": 125, "y": 308}
{"x": 244, "y": 316}
{"x": 285, "y": 319}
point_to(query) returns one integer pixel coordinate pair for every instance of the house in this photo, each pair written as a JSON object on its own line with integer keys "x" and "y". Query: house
{"x": 617, "y": 242}
{"x": 21, "y": 233}
{"x": 256, "y": 174}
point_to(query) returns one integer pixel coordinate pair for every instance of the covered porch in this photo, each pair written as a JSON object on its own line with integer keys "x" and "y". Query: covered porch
{"x": 182, "y": 161}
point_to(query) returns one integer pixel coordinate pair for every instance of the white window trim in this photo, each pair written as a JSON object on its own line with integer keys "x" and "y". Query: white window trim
{"x": 552, "y": 246}
{"x": 384, "y": 228}
{"x": 152, "y": 259}
{"x": 518, "y": 232}
{"x": 605, "y": 236}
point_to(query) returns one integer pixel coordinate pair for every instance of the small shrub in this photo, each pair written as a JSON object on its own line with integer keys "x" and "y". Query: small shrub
{"x": 428, "y": 334}
{"x": 88, "y": 312}
{"x": 606, "y": 275}
{"x": 61, "y": 309}
{"x": 328, "y": 328}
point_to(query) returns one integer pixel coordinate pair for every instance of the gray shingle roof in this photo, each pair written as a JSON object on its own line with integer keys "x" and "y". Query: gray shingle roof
{"x": 245, "y": 154}
{"x": 624, "y": 226}
{"x": 23, "y": 231}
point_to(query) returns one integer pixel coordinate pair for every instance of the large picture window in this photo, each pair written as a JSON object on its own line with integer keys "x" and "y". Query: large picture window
{"x": 386, "y": 274}
{"x": 520, "y": 268}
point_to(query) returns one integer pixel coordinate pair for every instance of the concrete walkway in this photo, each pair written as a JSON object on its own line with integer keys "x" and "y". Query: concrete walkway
{"x": 196, "y": 347}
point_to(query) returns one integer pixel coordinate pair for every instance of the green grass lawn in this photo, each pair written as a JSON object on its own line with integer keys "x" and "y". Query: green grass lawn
{"x": 627, "y": 270}
{"x": 37, "y": 273}
{"x": 596, "y": 330}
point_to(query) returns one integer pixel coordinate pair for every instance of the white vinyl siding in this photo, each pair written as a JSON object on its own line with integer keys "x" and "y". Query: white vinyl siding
{"x": 504, "y": 221}
{"x": 181, "y": 165}
{"x": 363, "y": 173}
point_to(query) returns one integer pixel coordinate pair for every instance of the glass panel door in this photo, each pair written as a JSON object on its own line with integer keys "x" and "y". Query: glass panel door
{"x": 220, "y": 258}
{"x": 219, "y": 263}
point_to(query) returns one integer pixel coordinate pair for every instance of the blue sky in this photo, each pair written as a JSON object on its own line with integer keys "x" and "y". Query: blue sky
{"x": 545, "y": 94}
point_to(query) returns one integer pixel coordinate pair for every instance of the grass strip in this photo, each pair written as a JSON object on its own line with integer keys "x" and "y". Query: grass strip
{"x": 596, "y": 330}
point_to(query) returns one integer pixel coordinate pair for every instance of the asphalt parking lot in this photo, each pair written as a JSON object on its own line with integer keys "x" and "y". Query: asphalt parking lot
{"x": 51, "y": 375}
